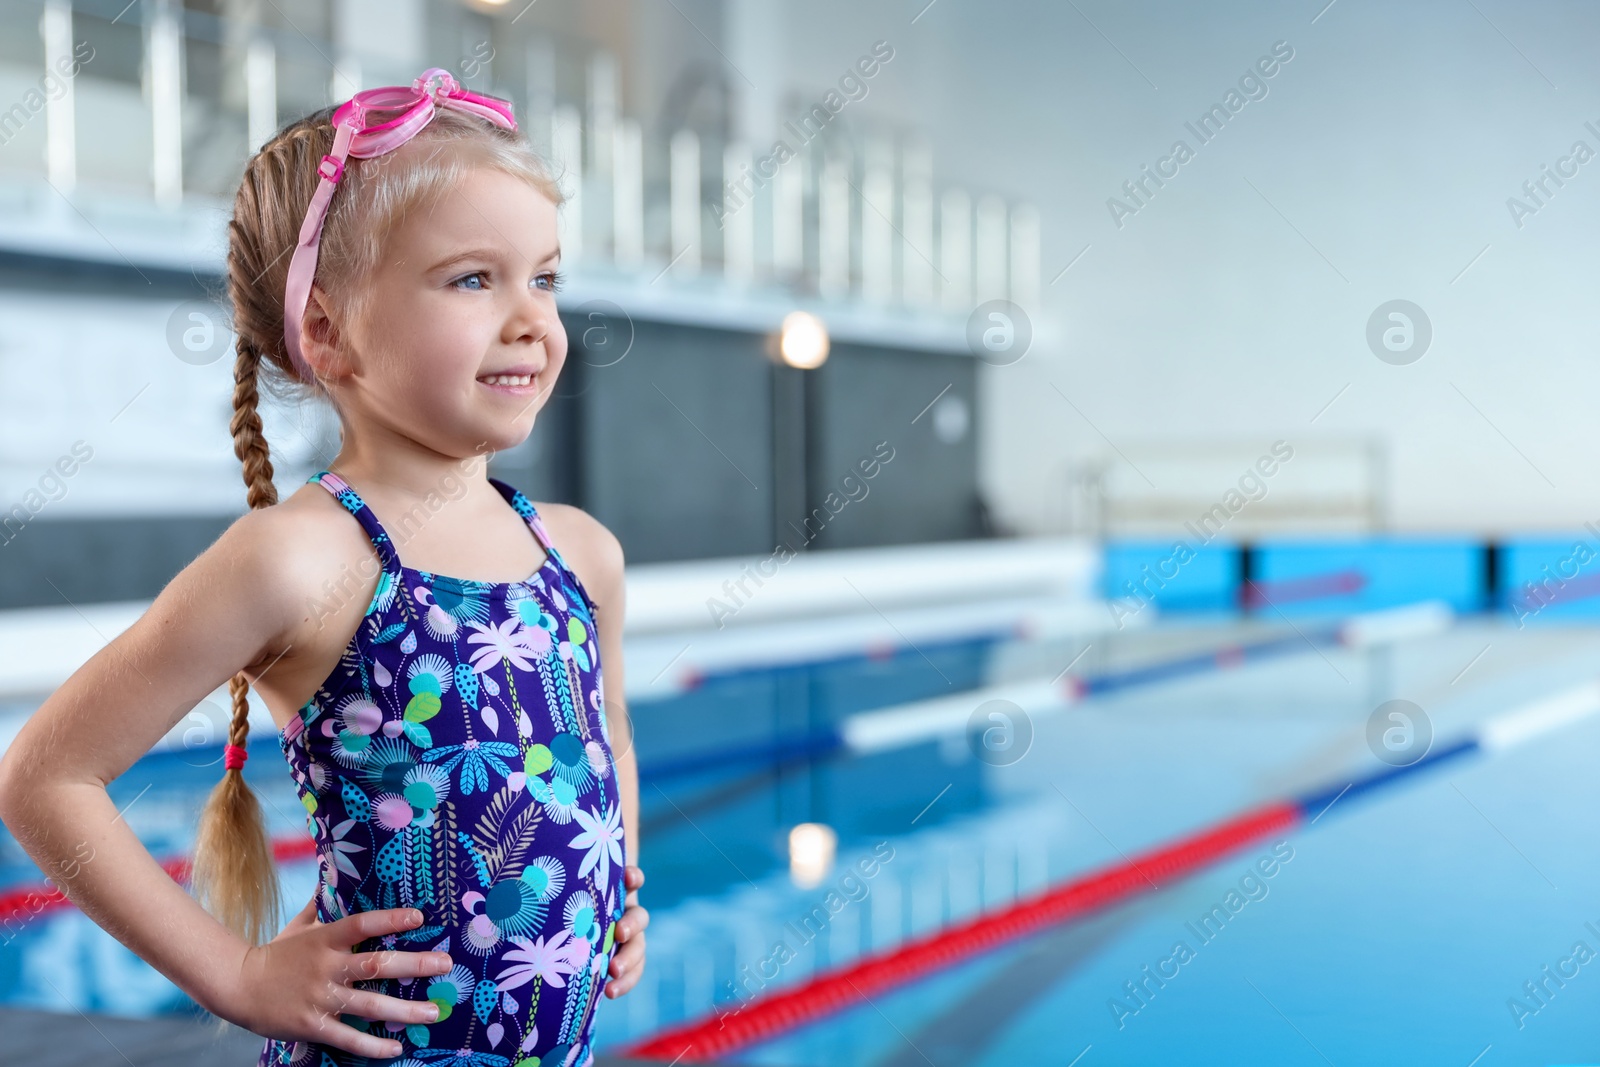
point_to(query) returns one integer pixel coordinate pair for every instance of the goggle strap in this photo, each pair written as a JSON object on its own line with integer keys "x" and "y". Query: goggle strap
{"x": 303, "y": 265}
{"x": 477, "y": 105}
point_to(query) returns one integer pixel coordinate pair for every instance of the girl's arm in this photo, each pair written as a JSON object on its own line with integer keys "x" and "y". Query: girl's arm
{"x": 610, "y": 607}
{"x": 241, "y": 599}
{"x": 609, "y": 620}
{"x": 220, "y": 613}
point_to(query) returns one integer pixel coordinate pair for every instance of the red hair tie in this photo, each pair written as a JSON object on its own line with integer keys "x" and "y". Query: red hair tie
{"x": 233, "y": 756}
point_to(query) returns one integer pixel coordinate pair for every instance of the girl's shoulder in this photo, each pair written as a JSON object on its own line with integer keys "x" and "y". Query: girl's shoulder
{"x": 304, "y": 529}
{"x": 242, "y": 603}
{"x": 289, "y": 551}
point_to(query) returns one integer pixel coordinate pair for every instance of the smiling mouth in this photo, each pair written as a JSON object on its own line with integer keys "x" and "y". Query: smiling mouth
{"x": 508, "y": 380}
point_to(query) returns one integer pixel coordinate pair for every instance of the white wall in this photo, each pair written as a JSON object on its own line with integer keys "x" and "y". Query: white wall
{"x": 1391, "y": 142}
{"x": 99, "y": 370}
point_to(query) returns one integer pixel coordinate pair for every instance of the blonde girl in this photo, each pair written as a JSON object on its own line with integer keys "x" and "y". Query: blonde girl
{"x": 437, "y": 667}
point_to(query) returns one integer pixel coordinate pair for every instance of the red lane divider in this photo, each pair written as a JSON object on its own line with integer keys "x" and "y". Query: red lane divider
{"x": 764, "y": 1016}
{"x": 1255, "y": 594}
{"x": 21, "y": 903}
{"x": 1229, "y": 657}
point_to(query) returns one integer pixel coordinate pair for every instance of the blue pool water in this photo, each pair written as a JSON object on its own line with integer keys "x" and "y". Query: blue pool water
{"x": 1397, "y": 933}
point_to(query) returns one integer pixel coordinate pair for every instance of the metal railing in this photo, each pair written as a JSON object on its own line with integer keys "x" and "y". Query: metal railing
{"x": 153, "y": 102}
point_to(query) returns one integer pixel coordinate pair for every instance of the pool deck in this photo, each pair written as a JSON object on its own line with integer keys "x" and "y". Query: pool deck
{"x": 54, "y": 1039}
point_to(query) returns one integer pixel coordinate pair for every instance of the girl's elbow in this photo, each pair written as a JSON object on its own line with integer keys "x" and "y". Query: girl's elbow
{"x": 20, "y": 781}
{"x": 8, "y": 772}
{"x": 8, "y": 788}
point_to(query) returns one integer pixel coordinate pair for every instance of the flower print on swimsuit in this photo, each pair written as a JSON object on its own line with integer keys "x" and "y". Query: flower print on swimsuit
{"x": 336, "y": 858}
{"x": 471, "y": 779}
{"x": 539, "y": 960}
{"x": 527, "y": 605}
{"x": 510, "y": 641}
{"x": 476, "y": 759}
{"x": 451, "y": 603}
{"x": 602, "y": 837}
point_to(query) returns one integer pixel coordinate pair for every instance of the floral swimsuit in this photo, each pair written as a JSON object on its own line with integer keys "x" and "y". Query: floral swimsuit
{"x": 458, "y": 761}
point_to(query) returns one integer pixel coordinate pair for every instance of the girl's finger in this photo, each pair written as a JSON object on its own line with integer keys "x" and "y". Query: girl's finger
{"x": 354, "y": 929}
{"x": 621, "y": 985}
{"x": 304, "y": 919}
{"x": 343, "y": 1035}
{"x": 634, "y": 920}
{"x": 396, "y": 963}
{"x": 625, "y": 958}
{"x": 370, "y": 1005}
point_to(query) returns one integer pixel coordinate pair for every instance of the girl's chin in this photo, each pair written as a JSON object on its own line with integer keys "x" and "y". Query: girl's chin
{"x": 502, "y": 434}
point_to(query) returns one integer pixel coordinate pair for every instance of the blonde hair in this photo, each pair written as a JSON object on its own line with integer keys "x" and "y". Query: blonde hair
{"x": 234, "y": 875}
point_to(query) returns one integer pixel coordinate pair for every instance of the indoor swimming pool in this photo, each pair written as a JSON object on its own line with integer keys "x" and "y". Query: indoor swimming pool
{"x": 1400, "y": 923}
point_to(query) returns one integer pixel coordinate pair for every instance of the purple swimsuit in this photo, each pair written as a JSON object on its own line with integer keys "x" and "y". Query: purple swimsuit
{"x": 458, "y": 761}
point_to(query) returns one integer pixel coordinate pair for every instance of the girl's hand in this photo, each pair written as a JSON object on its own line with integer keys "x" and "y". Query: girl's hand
{"x": 295, "y": 987}
{"x": 627, "y": 963}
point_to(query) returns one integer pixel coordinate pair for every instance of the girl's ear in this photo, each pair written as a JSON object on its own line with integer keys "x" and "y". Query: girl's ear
{"x": 322, "y": 340}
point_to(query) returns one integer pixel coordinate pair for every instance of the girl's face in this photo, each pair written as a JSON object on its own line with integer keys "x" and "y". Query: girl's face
{"x": 461, "y": 344}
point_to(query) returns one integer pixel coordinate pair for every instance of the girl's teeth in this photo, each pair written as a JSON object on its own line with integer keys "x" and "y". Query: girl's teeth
{"x": 509, "y": 379}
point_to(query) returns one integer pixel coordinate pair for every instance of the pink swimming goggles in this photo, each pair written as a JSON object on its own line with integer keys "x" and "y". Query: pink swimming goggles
{"x": 357, "y": 134}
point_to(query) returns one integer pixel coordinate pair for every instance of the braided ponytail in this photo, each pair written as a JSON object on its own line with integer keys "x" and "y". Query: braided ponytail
{"x": 234, "y": 875}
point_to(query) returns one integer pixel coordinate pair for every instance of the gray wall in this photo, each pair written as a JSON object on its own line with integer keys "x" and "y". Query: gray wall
{"x": 676, "y": 438}
{"x": 696, "y": 444}
{"x": 904, "y": 409}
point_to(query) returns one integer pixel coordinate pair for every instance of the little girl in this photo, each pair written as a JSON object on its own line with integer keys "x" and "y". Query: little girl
{"x": 433, "y": 659}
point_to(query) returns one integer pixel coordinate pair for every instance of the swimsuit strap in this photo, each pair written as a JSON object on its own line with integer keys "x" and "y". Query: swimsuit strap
{"x": 524, "y": 507}
{"x": 356, "y": 506}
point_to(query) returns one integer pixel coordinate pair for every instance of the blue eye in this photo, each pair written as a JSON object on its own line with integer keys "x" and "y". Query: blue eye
{"x": 475, "y": 274}
{"x": 555, "y": 278}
